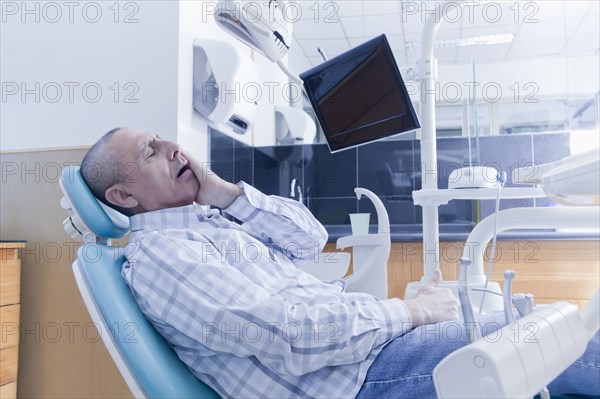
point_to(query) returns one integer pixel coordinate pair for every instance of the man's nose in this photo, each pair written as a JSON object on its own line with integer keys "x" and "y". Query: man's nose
{"x": 173, "y": 150}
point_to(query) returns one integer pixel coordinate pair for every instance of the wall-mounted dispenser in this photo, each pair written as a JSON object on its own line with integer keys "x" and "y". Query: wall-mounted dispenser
{"x": 225, "y": 86}
{"x": 293, "y": 126}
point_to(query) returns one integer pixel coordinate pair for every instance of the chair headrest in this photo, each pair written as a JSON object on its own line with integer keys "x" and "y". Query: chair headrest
{"x": 87, "y": 213}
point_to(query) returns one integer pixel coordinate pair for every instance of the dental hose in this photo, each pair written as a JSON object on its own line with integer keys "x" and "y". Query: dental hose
{"x": 501, "y": 179}
{"x": 295, "y": 78}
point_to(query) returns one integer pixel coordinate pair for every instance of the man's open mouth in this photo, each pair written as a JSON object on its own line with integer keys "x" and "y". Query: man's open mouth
{"x": 183, "y": 169}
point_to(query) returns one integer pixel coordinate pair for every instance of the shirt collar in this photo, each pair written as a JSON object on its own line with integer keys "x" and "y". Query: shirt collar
{"x": 188, "y": 216}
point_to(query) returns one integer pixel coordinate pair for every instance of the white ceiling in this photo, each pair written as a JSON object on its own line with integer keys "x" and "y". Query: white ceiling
{"x": 541, "y": 29}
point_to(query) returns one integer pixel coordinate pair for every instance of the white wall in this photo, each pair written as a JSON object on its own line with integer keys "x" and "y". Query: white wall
{"x": 196, "y": 21}
{"x": 60, "y": 46}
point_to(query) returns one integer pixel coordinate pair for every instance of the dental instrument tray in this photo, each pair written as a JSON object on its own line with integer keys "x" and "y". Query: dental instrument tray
{"x": 359, "y": 96}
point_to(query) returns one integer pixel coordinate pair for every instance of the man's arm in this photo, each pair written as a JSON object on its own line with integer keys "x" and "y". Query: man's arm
{"x": 223, "y": 311}
{"x": 278, "y": 222}
{"x": 282, "y": 223}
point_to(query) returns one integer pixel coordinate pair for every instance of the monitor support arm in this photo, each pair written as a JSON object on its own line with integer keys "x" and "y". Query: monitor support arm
{"x": 427, "y": 75}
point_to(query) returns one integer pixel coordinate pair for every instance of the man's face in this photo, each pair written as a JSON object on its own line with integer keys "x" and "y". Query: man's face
{"x": 157, "y": 174}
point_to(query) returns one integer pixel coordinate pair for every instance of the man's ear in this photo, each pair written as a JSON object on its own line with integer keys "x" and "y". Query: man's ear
{"x": 119, "y": 195}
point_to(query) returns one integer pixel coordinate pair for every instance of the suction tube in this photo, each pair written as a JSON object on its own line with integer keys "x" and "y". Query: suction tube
{"x": 471, "y": 324}
{"x": 591, "y": 314}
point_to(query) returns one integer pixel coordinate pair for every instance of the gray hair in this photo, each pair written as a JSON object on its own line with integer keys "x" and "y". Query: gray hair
{"x": 99, "y": 171}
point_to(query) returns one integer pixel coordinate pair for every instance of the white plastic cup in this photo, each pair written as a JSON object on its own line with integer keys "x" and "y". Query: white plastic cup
{"x": 360, "y": 223}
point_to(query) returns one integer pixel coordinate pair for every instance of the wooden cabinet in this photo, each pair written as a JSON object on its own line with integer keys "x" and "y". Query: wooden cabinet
{"x": 10, "y": 293}
{"x": 550, "y": 270}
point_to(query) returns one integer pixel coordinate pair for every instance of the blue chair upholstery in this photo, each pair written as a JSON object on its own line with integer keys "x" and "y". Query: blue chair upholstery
{"x": 101, "y": 220}
{"x": 144, "y": 352}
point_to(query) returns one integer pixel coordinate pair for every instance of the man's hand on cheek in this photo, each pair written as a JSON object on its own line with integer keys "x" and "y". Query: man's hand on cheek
{"x": 213, "y": 190}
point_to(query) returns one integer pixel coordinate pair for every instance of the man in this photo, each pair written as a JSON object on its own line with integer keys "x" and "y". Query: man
{"x": 231, "y": 298}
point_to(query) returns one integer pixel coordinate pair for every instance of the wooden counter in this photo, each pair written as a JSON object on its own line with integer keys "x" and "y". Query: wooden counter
{"x": 10, "y": 293}
{"x": 550, "y": 270}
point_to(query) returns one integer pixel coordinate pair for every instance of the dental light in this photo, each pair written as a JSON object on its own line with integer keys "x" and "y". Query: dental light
{"x": 467, "y": 41}
{"x": 574, "y": 180}
{"x": 261, "y": 25}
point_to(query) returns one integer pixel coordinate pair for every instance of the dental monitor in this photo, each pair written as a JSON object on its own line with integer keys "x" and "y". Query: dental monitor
{"x": 359, "y": 96}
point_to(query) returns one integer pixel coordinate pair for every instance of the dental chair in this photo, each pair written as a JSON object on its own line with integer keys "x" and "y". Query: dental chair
{"x": 148, "y": 364}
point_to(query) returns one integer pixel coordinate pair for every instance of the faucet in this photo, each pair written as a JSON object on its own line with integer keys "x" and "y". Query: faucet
{"x": 293, "y": 186}
{"x": 370, "y": 253}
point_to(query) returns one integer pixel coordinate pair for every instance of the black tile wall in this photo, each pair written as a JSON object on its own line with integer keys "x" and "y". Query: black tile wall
{"x": 551, "y": 147}
{"x": 400, "y": 210}
{"x": 222, "y": 156}
{"x": 506, "y": 153}
{"x": 243, "y": 156}
{"x": 330, "y": 175}
{"x": 417, "y": 164}
{"x": 275, "y": 168}
{"x": 453, "y": 153}
{"x": 387, "y": 168}
{"x": 333, "y": 210}
{"x": 456, "y": 212}
{"x": 489, "y": 206}
{"x": 391, "y": 169}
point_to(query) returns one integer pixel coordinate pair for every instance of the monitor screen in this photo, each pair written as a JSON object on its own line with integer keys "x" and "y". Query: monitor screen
{"x": 359, "y": 96}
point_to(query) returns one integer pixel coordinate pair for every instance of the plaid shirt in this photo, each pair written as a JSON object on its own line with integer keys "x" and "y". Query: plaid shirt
{"x": 233, "y": 302}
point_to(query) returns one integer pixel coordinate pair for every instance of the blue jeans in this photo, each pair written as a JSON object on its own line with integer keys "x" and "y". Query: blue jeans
{"x": 404, "y": 366}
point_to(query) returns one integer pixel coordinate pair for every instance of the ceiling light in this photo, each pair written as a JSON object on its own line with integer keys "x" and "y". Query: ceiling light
{"x": 467, "y": 41}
